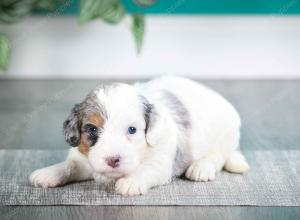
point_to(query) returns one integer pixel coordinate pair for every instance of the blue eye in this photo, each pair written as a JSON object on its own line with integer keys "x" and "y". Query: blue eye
{"x": 131, "y": 130}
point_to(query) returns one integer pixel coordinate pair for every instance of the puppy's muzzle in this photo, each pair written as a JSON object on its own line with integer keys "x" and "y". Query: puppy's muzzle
{"x": 113, "y": 162}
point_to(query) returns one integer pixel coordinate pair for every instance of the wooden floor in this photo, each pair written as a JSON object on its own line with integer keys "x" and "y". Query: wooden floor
{"x": 148, "y": 213}
{"x": 32, "y": 112}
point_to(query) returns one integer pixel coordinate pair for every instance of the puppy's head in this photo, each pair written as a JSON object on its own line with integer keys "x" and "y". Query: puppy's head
{"x": 110, "y": 128}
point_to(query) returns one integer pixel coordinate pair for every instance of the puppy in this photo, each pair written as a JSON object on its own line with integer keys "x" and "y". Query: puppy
{"x": 143, "y": 134}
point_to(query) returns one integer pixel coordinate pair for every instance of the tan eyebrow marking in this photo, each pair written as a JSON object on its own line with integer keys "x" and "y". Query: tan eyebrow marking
{"x": 96, "y": 119}
{"x": 83, "y": 146}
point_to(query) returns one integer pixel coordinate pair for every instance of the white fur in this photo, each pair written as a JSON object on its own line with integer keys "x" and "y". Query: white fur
{"x": 75, "y": 168}
{"x": 211, "y": 143}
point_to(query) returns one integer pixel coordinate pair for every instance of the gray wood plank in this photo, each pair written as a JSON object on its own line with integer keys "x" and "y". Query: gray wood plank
{"x": 145, "y": 213}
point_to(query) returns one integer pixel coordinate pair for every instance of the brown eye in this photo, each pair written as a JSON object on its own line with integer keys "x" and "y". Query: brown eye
{"x": 92, "y": 130}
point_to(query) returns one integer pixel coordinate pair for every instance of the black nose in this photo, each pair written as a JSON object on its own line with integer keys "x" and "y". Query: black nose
{"x": 113, "y": 161}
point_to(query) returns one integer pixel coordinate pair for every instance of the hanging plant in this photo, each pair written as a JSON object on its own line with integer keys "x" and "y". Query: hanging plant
{"x": 110, "y": 11}
{"x": 4, "y": 52}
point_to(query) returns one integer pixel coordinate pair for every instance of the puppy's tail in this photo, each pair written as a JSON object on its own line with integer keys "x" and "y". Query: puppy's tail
{"x": 236, "y": 163}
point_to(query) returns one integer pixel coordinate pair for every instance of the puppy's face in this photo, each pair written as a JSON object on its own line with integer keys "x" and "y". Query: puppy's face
{"x": 109, "y": 127}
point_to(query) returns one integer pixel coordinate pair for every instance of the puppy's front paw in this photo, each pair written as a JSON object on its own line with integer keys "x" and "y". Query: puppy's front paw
{"x": 201, "y": 170}
{"x": 48, "y": 177}
{"x": 130, "y": 186}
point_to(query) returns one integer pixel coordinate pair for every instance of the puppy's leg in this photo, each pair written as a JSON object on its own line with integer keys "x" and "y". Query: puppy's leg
{"x": 236, "y": 163}
{"x": 151, "y": 173}
{"x": 205, "y": 169}
{"x": 75, "y": 168}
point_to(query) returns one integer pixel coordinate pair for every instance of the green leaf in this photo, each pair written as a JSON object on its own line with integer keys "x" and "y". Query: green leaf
{"x": 144, "y": 2}
{"x": 4, "y": 52}
{"x": 49, "y": 5}
{"x": 111, "y": 11}
{"x": 90, "y": 9}
{"x": 138, "y": 28}
{"x": 114, "y": 14}
{"x": 13, "y": 11}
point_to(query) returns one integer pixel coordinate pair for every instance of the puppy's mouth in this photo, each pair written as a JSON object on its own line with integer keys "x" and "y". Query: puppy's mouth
{"x": 114, "y": 173}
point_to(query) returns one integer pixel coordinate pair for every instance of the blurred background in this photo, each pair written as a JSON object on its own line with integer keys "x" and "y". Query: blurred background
{"x": 210, "y": 39}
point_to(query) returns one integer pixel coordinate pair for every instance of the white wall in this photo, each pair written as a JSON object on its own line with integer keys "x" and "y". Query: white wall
{"x": 197, "y": 46}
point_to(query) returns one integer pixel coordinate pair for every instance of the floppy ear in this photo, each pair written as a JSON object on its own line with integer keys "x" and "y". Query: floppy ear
{"x": 154, "y": 123}
{"x": 71, "y": 127}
